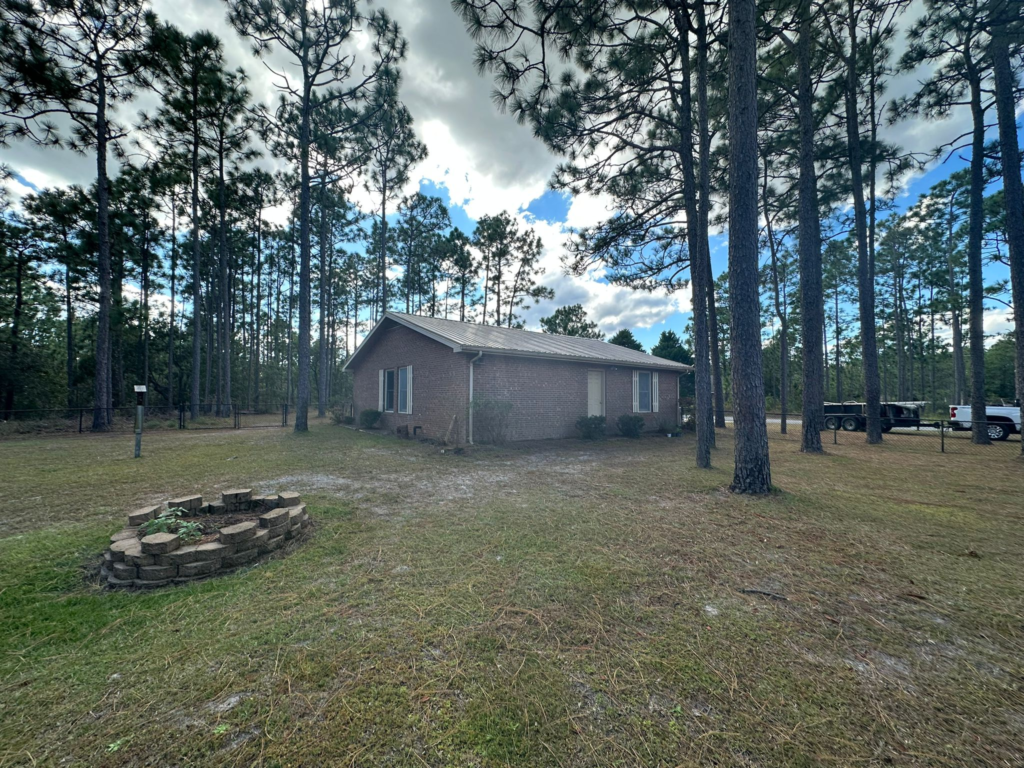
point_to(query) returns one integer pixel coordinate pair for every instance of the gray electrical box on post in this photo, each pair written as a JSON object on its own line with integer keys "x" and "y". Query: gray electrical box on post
{"x": 140, "y": 412}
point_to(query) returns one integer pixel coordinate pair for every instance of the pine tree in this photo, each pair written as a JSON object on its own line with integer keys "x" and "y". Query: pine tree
{"x": 82, "y": 60}
{"x": 625, "y": 338}
{"x": 571, "y": 321}
{"x": 316, "y": 37}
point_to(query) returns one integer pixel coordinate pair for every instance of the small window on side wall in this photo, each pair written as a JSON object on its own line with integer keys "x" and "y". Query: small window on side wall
{"x": 405, "y": 389}
{"x": 389, "y": 390}
{"x": 645, "y": 392}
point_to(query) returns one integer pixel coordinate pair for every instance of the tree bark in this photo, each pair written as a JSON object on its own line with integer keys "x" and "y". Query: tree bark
{"x": 197, "y": 284}
{"x": 102, "y": 401}
{"x": 812, "y": 300}
{"x": 303, "y": 388}
{"x": 1013, "y": 192}
{"x": 717, "y": 399}
{"x": 702, "y": 361}
{"x": 975, "y": 284}
{"x": 752, "y": 472}
{"x": 69, "y": 316}
{"x": 19, "y": 298}
{"x": 321, "y": 401}
{"x": 865, "y": 276}
{"x": 224, "y": 389}
{"x": 171, "y": 383}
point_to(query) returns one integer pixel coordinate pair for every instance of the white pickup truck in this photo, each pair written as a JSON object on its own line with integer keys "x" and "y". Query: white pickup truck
{"x": 1003, "y": 420}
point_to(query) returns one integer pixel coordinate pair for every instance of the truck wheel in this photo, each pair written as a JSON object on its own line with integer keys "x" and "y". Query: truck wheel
{"x": 851, "y": 424}
{"x": 997, "y": 431}
{"x": 831, "y": 423}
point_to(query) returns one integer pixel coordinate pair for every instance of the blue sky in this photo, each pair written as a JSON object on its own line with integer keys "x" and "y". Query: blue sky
{"x": 482, "y": 161}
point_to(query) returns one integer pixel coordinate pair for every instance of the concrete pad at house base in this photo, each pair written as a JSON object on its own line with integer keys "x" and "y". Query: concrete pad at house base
{"x": 141, "y": 515}
{"x": 288, "y": 499}
{"x": 160, "y": 543}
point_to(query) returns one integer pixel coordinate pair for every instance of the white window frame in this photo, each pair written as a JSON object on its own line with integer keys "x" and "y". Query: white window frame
{"x": 394, "y": 390}
{"x": 408, "y": 390}
{"x": 652, "y": 392}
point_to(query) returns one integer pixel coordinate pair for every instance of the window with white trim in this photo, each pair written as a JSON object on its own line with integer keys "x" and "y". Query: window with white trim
{"x": 389, "y": 390}
{"x": 645, "y": 391}
{"x": 405, "y": 389}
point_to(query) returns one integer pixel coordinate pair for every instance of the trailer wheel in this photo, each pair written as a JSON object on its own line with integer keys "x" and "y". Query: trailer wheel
{"x": 851, "y": 424}
{"x": 831, "y": 423}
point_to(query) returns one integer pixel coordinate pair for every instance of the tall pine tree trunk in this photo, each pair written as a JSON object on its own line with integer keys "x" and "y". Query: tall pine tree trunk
{"x": 103, "y": 399}
{"x": 752, "y": 472}
{"x": 321, "y": 400}
{"x": 716, "y": 400}
{"x": 303, "y": 388}
{"x": 171, "y": 379}
{"x": 702, "y": 360}
{"x": 812, "y": 300}
{"x": 197, "y": 282}
{"x": 975, "y": 283}
{"x": 69, "y": 318}
{"x": 225, "y": 286}
{"x": 865, "y": 271}
{"x": 1013, "y": 190}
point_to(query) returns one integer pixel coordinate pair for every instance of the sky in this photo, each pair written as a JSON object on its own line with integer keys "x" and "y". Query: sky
{"x": 483, "y": 162}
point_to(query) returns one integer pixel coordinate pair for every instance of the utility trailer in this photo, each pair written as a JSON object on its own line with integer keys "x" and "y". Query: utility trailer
{"x": 852, "y": 416}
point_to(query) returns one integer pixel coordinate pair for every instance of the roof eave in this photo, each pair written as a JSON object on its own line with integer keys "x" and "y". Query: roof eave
{"x": 668, "y": 365}
{"x": 411, "y": 326}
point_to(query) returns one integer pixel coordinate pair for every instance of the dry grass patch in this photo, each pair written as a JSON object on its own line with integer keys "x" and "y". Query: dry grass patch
{"x": 564, "y": 604}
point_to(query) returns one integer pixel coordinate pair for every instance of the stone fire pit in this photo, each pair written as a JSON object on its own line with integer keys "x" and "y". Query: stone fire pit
{"x": 240, "y": 529}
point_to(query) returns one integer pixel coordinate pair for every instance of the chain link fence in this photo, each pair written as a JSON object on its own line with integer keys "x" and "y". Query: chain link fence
{"x": 68, "y": 421}
{"x": 927, "y": 436}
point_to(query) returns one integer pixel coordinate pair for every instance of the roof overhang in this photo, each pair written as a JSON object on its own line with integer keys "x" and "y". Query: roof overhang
{"x": 668, "y": 366}
{"x": 678, "y": 368}
{"x": 399, "y": 321}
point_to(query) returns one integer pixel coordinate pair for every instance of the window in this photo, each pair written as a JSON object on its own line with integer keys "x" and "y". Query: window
{"x": 389, "y": 390}
{"x": 645, "y": 392}
{"x": 405, "y": 389}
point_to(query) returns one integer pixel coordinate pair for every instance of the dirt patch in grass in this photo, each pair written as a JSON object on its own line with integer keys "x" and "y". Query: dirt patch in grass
{"x": 562, "y": 604}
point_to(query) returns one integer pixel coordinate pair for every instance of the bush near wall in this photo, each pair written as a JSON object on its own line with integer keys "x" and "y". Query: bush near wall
{"x": 630, "y": 425}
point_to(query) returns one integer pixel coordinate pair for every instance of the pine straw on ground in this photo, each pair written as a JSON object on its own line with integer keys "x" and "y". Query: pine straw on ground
{"x": 555, "y": 604}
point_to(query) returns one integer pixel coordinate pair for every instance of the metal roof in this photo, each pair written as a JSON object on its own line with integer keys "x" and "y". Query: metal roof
{"x": 473, "y": 337}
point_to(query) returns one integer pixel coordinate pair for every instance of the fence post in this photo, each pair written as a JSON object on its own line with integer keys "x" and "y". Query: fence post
{"x": 284, "y": 412}
{"x": 942, "y": 436}
{"x": 835, "y": 436}
{"x": 81, "y": 413}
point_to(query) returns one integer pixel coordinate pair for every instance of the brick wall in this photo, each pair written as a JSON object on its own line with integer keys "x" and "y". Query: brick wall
{"x": 548, "y": 396}
{"x": 440, "y": 382}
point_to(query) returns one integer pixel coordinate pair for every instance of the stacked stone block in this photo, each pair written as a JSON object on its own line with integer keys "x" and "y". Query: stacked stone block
{"x": 133, "y": 560}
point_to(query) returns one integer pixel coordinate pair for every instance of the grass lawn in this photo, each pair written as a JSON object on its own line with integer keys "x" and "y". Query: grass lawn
{"x": 555, "y": 604}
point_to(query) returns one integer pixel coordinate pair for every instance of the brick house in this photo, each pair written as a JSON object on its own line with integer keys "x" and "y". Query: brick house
{"x": 422, "y": 373}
